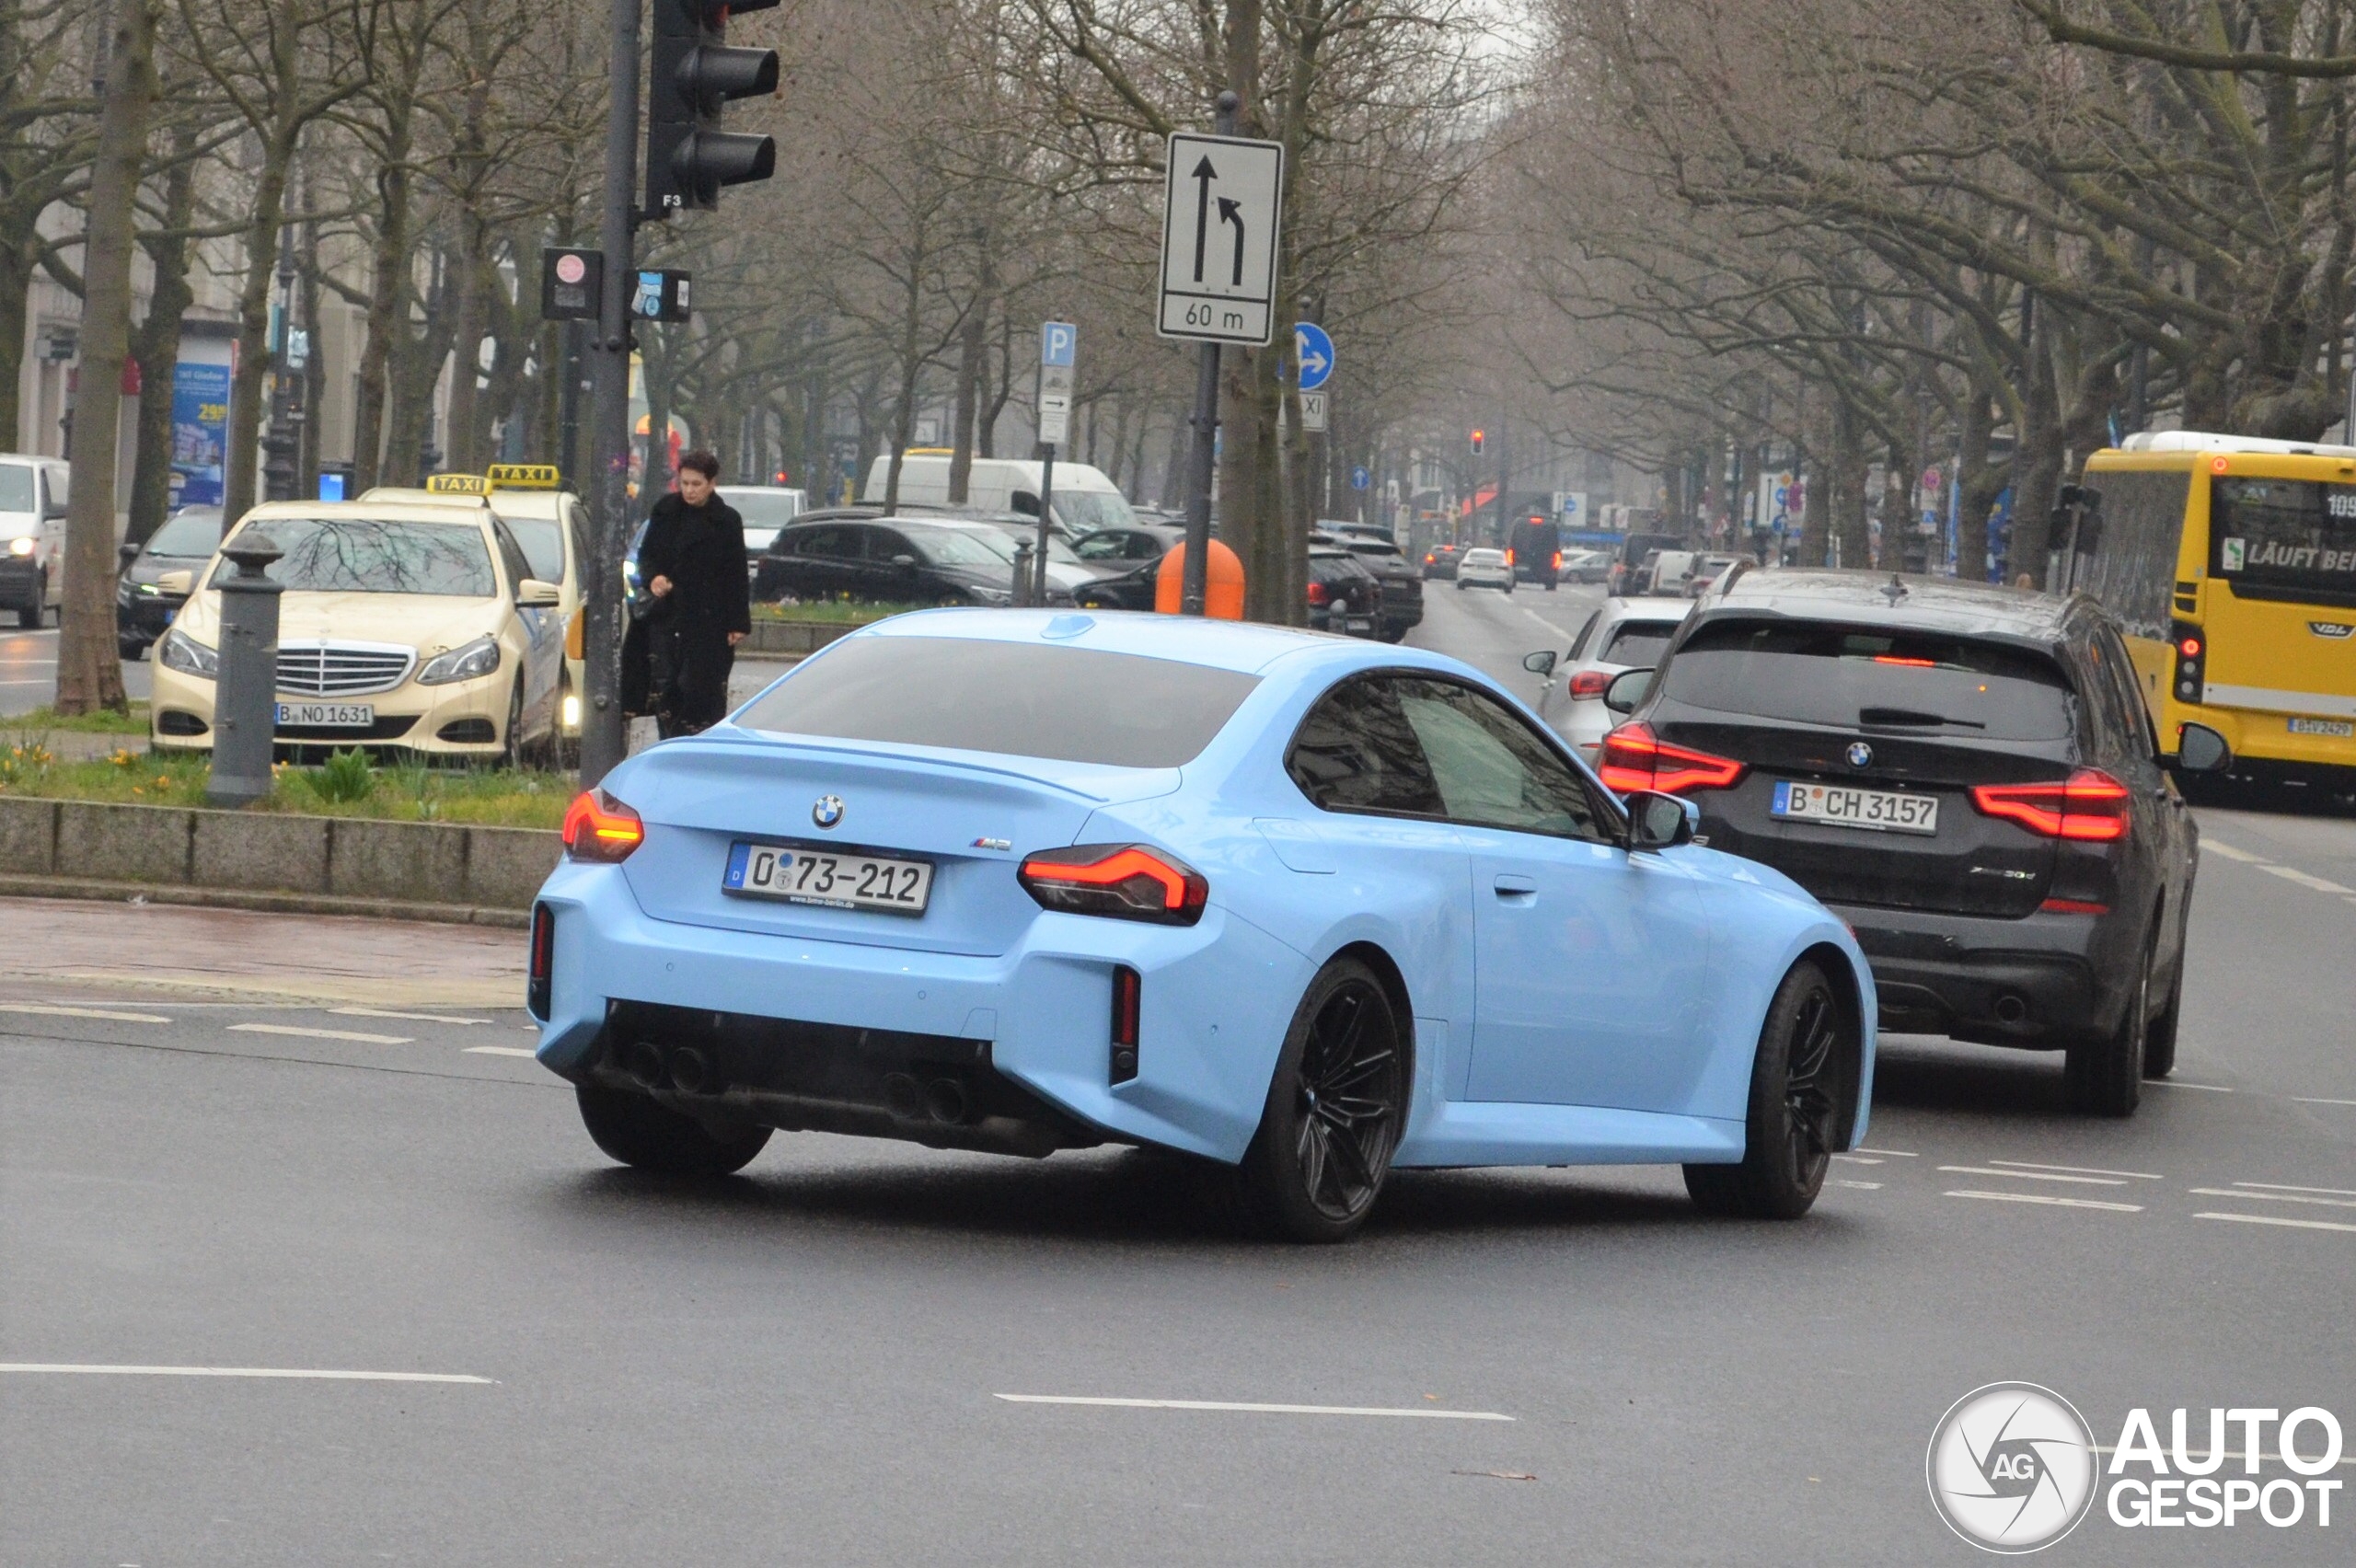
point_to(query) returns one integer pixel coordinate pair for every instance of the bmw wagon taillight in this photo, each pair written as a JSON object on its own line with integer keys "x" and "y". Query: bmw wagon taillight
{"x": 598, "y": 827}
{"x": 1127, "y": 882}
{"x": 1636, "y": 758}
{"x": 2089, "y": 805}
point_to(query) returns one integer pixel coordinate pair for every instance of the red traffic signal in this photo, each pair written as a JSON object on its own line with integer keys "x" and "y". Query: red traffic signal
{"x": 1479, "y": 440}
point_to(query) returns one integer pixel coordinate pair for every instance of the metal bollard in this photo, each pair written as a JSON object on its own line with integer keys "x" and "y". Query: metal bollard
{"x": 1022, "y": 573}
{"x": 245, "y": 695}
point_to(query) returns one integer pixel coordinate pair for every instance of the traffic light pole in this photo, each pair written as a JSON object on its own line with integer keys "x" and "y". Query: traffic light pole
{"x": 603, "y": 737}
{"x": 1202, "y": 460}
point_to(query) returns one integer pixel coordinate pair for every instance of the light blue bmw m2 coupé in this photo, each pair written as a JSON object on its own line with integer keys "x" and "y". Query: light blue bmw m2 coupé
{"x": 1307, "y": 906}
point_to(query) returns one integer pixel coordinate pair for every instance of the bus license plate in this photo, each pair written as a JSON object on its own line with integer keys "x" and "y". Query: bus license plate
{"x": 827, "y": 878}
{"x": 2339, "y": 727}
{"x": 1877, "y": 811}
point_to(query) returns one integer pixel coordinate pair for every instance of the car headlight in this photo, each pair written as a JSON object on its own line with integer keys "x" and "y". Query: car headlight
{"x": 189, "y": 657}
{"x": 462, "y": 663}
{"x": 22, "y": 545}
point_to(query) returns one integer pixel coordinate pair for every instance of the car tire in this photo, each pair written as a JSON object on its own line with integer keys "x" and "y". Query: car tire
{"x": 1789, "y": 1129}
{"x": 129, "y": 652}
{"x": 2105, "y": 1077}
{"x": 512, "y": 753}
{"x": 1460, "y": 585}
{"x": 35, "y": 610}
{"x": 1316, "y": 1166}
{"x": 635, "y": 1130}
{"x": 1552, "y": 587}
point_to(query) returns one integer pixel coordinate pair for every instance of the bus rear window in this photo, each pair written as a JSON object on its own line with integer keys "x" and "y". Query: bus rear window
{"x": 2290, "y": 539}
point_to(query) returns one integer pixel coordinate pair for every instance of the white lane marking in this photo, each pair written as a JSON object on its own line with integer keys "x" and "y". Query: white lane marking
{"x": 2046, "y": 1198}
{"x": 2180, "y": 1083}
{"x": 43, "y": 1009}
{"x": 2079, "y": 1170}
{"x": 1253, "y": 1409}
{"x": 2286, "y": 1187}
{"x": 501, "y": 1051}
{"x": 1861, "y": 1186}
{"x": 419, "y": 1018}
{"x": 1857, "y": 1159}
{"x": 324, "y": 1033}
{"x": 2321, "y": 884}
{"x": 244, "y": 1372}
{"x": 1896, "y": 1153}
{"x": 2208, "y": 846}
{"x": 2236, "y": 1191}
{"x": 2303, "y": 1099}
{"x": 2032, "y": 1176}
{"x": 2278, "y": 1220}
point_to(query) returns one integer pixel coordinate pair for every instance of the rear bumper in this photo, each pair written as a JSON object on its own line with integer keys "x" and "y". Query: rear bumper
{"x": 143, "y": 618}
{"x": 2040, "y": 982}
{"x": 1216, "y": 998}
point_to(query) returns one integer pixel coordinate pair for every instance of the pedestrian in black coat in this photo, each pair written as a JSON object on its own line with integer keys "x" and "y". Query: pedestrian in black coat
{"x": 692, "y": 564}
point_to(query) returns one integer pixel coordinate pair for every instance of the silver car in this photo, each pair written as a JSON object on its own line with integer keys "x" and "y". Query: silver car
{"x": 1622, "y": 634}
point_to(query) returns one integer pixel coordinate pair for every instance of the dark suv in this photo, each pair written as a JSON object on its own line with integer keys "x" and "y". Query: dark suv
{"x": 1968, "y": 776}
{"x": 1403, "y": 581}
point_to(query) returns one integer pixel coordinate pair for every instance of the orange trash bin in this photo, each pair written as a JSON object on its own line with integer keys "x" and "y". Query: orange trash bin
{"x": 1222, "y": 584}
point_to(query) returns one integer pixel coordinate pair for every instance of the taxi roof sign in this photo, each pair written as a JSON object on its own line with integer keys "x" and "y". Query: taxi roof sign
{"x": 458, "y": 484}
{"x": 525, "y": 476}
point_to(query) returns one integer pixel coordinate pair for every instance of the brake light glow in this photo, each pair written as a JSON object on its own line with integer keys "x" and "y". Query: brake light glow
{"x": 1636, "y": 758}
{"x": 2072, "y": 906}
{"x": 1558, "y": 560}
{"x": 1910, "y": 663}
{"x": 2089, "y": 806}
{"x": 1589, "y": 684}
{"x": 1508, "y": 558}
{"x": 1127, "y": 882}
{"x": 2189, "y": 648}
{"x": 1317, "y": 593}
{"x": 598, "y": 827}
{"x": 541, "y": 978}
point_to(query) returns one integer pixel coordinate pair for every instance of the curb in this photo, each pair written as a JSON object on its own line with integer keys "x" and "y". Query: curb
{"x": 790, "y": 638}
{"x": 92, "y": 891}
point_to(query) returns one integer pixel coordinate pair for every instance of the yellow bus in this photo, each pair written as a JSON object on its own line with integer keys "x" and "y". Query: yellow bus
{"x": 2232, "y": 561}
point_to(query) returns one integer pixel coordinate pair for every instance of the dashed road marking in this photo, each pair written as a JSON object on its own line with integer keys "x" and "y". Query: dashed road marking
{"x": 415, "y": 1017}
{"x": 1893, "y": 1153}
{"x": 2286, "y": 1187}
{"x": 2210, "y": 845}
{"x": 1858, "y": 1159}
{"x": 1253, "y": 1409}
{"x": 244, "y": 1372}
{"x": 2305, "y": 879}
{"x": 2032, "y": 1176}
{"x": 1862, "y": 1186}
{"x": 2180, "y": 1083}
{"x": 45, "y": 1010}
{"x": 2306, "y": 1100}
{"x": 501, "y": 1051}
{"x": 2046, "y": 1198}
{"x": 2075, "y": 1169}
{"x": 351, "y": 1034}
{"x": 2273, "y": 1197}
{"x": 2278, "y": 1219}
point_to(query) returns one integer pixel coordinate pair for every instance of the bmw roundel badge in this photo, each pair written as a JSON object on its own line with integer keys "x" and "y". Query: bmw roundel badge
{"x": 1860, "y": 756}
{"x": 827, "y": 812}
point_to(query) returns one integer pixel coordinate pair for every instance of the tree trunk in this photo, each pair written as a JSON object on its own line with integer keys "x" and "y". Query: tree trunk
{"x": 254, "y": 364}
{"x": 973, "y": 363}
{"x": 416, "y": 367}
{"x": 458, "y": 420}
{"x": 90, "y": 672}
{"x": 2041, "y": 460}
{"x": 155, "y": 342}
{"x": 389, "y": 283}
{"x": 18, "y": 262}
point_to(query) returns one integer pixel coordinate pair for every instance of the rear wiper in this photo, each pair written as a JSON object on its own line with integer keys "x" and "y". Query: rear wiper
{"x": 1909, "y": 716}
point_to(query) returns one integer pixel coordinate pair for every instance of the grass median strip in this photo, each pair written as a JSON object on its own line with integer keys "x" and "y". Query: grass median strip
{"x": 300, "y": 1033}
{"x": 1253, "y": 1409}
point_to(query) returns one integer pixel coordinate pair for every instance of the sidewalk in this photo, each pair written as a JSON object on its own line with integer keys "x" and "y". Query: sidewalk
{"x": 53, "y": 947}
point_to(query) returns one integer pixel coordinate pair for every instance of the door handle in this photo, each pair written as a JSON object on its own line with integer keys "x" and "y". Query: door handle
{"x": 1517, "y": 887}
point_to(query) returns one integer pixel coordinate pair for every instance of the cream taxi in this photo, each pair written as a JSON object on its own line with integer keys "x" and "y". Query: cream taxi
{"x": 410, "y": 627}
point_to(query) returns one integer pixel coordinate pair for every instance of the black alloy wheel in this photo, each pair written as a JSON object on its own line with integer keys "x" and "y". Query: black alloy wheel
{"x": 2105, "y": 1077}
{"x": 1795, "y": 1092}
{"x": 1335, "y": 1109}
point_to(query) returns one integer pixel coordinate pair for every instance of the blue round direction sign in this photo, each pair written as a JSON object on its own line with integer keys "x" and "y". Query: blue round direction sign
{"x": 1360, "y": 479}
{"x": 1315, "y": 352}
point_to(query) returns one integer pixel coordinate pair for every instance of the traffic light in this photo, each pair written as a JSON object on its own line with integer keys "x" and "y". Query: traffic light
{"x": 693, "y": 76}
{"x": 1479, "y": 441}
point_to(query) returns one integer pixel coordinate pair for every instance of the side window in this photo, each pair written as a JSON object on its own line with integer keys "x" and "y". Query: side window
{"x": 1578, "y": 643}
{"x": 2100, "y": 700}
{"x": 511, "y": 556}
{"x": 1102, "y": 547}
{"x": 1145, "y": 547}
{"x": 2141, "y": 732}
{"x": 882, "y": 544}
{"x": 1493, "y": 770}
{"x": 831, "y": 541}
{"x": 1356, "y": 752}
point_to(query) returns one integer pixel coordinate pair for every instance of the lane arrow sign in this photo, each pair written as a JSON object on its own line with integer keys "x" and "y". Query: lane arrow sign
{"x": 1232, "y": 213}
{"x": 1204, "y": 174}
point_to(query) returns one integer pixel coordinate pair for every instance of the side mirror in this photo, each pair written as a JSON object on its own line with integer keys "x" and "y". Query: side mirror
{"x": 2200, "y": 749}
{"x": 179, "y": 582}
{"x": 904, "y": 561}
{"x": 126, "y": 552}
{"x": 1626, "y": 690}
{"x": 534, "y": 594}
{"x": 1660, "y": 822}
{"x": 1539, "y": 663}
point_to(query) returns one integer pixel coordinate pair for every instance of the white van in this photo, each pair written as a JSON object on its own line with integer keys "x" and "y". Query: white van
{"x": 32, "y": 525}
{"x": 1085, "y": 498}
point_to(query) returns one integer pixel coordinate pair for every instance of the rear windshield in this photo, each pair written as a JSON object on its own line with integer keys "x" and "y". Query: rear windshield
{"x": 1638, "y": 642}
{"x": 1081, "y": 510}
{"x": 1848, "y": 678}
{"x": 193, "y": 533}
{"x": 2285, "y": 538}
{"x": 1015, "y": 698}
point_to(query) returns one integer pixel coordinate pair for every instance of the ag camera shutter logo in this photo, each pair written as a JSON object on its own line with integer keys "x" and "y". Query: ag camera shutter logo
{"x": 2011, "y": 1468}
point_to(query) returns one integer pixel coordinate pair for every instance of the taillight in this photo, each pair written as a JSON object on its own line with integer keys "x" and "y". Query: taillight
{"x": 1589, "y": 682}
{"x": 2089, "y": 805}
{"x": 1127, "y": 882}
{"x": 1128, "y": 991}
{"x": 598, "y": 827}
{"x": 1317, "y": 593}
{"x": 1636, "y": 758}
{"x": 541, "y": 978}
{"x": 1508, "y": 558}
{"x": 1558, "y": 560}
{"x": 2191, "y": 662}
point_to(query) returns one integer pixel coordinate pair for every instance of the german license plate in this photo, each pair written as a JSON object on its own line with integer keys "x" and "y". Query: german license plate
{"x": 832, "y": 881}
{"x": 1359, "y": 623}
{"x": 2340, "y": 727}
{"x": 327, "y": 715}
{"x": 1836, "y": 805}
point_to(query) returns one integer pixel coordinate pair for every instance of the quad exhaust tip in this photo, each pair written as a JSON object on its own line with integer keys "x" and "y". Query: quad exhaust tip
{"x": 692, "y": 1072}
{"x": 945, "y": 1101}
{"x": 644, "y": 1064}
{"x": 2010, "y": 1009}
{"x": 903, "y": 1096}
